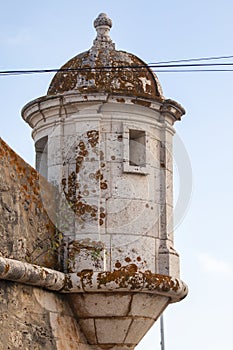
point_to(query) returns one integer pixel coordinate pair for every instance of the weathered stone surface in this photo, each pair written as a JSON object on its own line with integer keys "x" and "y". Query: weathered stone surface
{"x": 112, "y": 330}
{"x": 148, "y": 305}
{"x": 26, "y": 231}
{"x": 22, "y": 272}
{"x": 35, "y": 319}
{"x": 24, "y": 324}
{"x": 137, "y": 330}
{"x": 88, "y": 327}
{"x": 106, "y": 305}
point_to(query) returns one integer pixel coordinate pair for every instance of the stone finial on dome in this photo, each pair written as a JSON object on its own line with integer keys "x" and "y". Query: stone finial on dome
{"x": 103, "y": 20}
{"x": 103, "y": 25}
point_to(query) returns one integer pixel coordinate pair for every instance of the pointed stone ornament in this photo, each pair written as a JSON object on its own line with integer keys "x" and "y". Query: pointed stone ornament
{"x": 103, "y": 25}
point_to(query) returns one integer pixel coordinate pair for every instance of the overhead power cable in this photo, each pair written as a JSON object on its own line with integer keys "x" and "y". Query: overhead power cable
{"x": 195, "y": 59}
{"x": 192, "y": 70}
{"x": 166, "y": 67}
{"x": 30, "y": 72}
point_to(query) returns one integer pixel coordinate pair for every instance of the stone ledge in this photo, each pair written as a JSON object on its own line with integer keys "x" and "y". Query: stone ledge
{"x": 127, "y": 279}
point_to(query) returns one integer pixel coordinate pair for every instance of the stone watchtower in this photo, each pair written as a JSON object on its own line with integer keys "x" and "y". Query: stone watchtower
{"x": 103, "y": 137}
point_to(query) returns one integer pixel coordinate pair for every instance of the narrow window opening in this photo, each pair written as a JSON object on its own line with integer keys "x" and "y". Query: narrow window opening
{"x": 137, "y": 148}
{"x": 42, "y": 156}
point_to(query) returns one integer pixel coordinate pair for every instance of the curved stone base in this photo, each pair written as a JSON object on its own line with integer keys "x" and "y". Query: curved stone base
{"x": 116, "y": 320}
{"x": 116, "y": 309}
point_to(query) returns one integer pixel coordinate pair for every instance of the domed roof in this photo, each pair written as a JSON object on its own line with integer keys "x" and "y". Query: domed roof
{"x": 105, "y": 69}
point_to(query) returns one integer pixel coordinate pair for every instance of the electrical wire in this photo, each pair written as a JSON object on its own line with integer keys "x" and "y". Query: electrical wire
{"x": 168, "y": 65}
{"x": 193, "y": 70}
{"x": 194, "y": 59}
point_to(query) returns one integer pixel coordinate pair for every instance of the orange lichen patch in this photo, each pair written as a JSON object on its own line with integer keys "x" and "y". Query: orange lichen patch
{"x": 80, "y": 208}
{"x": 93, "y": 137}
{"x": 87, "y": 73}
{"x": 117, "y": 264}
{"x": 7, "y": 267}
{"x": 85, "y": 178}
{"x": 121, "y": 100}
{"x": 125, "y": 277}
{"x": 68, "y": 283}
{"x": 131, "y": 278}
{"x": 29, "y": 233}
{"x": 85, "y": 277}
{"x": 99, "y": 175}
{"x": 162, "y": 282}
{"x": 72, "y": 188}
{"x": 103, "y": 185}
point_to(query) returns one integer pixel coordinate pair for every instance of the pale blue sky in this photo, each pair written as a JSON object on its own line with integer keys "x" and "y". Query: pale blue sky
{"x": 45, "y": 34}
